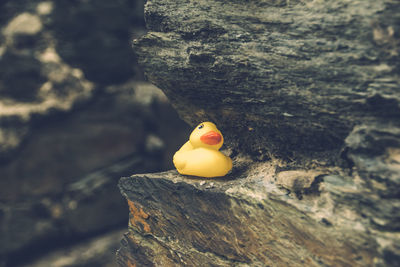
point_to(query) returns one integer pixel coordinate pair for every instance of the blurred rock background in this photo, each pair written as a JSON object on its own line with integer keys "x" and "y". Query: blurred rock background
{"x": 75, "y": 115}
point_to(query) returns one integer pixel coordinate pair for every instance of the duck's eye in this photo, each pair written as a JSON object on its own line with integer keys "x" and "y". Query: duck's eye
{"x": 201, "y": 126}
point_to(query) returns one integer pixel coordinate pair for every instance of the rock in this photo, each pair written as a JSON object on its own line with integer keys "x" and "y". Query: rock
{"x": 74, "y": 116}
{"x": 98, "y": 251}
{"x": 93, "y": 36}
{"x": 373, "y": 151}
{"x": 31, "y": 227}
{"x": 245, "y": 218}
{"x": 288, "y": 79}
{"x": 46, "y": 202}
{"x": 306, "y": 94}
{"x": 298, "y": 180}
{"x": 90, "y": 139}
{"x": 35, "y": 80}
{"x": 57, "y": 55}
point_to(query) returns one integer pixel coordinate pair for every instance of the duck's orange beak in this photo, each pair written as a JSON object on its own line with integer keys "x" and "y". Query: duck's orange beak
{"x": 211, "y": 138}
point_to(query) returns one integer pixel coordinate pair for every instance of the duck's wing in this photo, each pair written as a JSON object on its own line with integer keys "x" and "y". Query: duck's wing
{"x": 179, "y": 160}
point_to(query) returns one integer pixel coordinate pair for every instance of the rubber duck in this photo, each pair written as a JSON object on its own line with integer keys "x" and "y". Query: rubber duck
{"x": 200, "y": 156}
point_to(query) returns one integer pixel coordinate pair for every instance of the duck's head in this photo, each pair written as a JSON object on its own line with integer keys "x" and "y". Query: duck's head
{"x": 206, "y": 135}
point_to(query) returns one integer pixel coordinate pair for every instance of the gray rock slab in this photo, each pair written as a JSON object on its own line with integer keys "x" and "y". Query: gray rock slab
{"x": 287, "y": 78}
{"x": 246, "y": 219}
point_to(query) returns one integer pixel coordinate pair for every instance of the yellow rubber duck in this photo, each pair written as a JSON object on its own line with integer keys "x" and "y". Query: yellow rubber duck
{"x": 200, "y": 156}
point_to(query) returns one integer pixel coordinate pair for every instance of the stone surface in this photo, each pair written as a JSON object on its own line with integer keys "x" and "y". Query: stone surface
{"x": 74, "y": 116}
{"x": 56, "y": 55}
{"x": 92, "y": 138}
{"x": 46, "y": 202}
{"x": 33, "y": 226}
{"x": 94, "y": 36}
{"x": 280, "y": 78}
{"x": 34, "y": 81}
{"x": 306, "y": 94}
{"x": 98, "y": 251}
{"x": 246, "y": 219}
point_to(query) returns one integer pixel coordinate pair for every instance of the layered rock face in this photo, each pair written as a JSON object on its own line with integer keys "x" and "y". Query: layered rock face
{"x": 74, "y": 117}
{"x": 307, "y": 96}
{"x": 55, "y": 55}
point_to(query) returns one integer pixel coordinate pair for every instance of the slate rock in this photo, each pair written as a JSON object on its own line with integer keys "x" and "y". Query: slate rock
{"x": 247, "y": 219}
{"x": 62, "y": 185}
{"x": 282, "y": 78}
{"x": 55, "y": 56}
{"x": 73, "y": 118}
{"x": 306, "y": 94}
{"x": 97, "y": 251}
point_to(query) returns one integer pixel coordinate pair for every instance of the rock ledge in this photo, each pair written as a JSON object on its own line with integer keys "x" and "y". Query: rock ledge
{"x": 247, "y": 218}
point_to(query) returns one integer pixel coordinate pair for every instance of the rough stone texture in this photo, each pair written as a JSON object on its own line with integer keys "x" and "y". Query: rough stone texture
{"x": 247, "y": 219}
{"x": 54, "y": 55}
{"x": 74, "y": 117}
{"x": 34, "y": 80}
{"x": 287, "y": 78}
{"x": 45, "y": 203}
{"x": 98, "y": 251}
{"x": 92, "y": 138}
{"x": 33, "y": 226}
{"x": 307, "y": 95}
